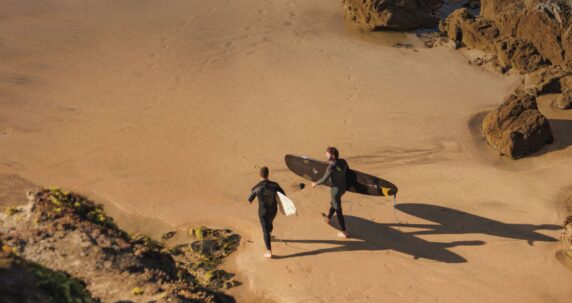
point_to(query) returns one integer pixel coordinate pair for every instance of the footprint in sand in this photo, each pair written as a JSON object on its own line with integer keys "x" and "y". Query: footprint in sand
{"x": 12, "y": 164}
{"x": 5, "y": 132}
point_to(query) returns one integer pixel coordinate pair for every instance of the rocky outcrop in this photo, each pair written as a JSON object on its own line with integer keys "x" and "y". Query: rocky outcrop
{"x": 512, "y": 51}
{"x": 392, "y": 14}
{"x": 516, "y": 128}
{"x": 539, "y": 31}
{"x": 532, "y": 37}
{"x": 67, "y": 232}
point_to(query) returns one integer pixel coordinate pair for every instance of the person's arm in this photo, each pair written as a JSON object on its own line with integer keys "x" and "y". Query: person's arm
{"x": 252, "y": 195}
{"x": 324, "y": 178}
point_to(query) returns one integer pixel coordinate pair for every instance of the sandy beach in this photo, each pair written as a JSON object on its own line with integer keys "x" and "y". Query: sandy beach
{"x": 166, "y": 109}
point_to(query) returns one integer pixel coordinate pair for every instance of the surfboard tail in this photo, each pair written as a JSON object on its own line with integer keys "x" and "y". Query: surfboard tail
{"x": 387, "y": 191}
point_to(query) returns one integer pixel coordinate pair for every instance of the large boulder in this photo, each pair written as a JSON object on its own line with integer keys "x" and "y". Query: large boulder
{"x": 393, "y": 14}
{"x": 517, "y": 128}
{"x": 543, "y": 27}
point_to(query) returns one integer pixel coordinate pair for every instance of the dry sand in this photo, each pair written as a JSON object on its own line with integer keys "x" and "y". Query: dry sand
{"x": 167, "y": 108}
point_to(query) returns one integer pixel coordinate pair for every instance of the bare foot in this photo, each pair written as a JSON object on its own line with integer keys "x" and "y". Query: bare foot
{"x": 268, "y": 254}
{"x": 343, "y": 234}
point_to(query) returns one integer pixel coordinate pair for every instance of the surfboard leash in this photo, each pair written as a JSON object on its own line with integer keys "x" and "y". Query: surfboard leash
{"x": 397, "y": 221}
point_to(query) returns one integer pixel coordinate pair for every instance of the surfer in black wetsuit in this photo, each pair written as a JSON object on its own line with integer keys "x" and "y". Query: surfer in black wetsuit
{"x": 336, "y": 173}
{"x": 266, "y": 191}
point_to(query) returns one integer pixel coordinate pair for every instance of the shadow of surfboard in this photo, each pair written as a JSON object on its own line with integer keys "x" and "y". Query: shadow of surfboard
{"x": 367, "y": 235}
{"x": 452, "y": 221}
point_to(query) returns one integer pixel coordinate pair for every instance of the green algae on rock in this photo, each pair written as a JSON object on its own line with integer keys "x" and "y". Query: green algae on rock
{"x": 206, "y": 253}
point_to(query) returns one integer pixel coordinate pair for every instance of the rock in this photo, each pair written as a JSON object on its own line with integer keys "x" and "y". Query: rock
{"x": 467, "y": 30}
{"x": 547, "y": 80}
{"x": 518, "y": 54}
{"x": 516, "y": 128}
{"x": 567, "y": 45}
{"x": 543, "y": 30}
{"x": 492, "y": 8}
{"x": 566, "y": 82}
{"x": 505, "y": 13}
{"x": 168, "y": 235}
{"x": 392, "y": 14}
{"x": 565, "y": 100}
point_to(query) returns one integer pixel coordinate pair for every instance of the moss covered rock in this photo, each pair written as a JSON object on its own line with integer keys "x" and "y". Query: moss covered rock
{"x": 24, "y": 281}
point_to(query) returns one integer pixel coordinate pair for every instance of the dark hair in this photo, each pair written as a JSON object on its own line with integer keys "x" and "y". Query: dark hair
{"x": 264, "y": 172}
{"x": 335, "y": 154}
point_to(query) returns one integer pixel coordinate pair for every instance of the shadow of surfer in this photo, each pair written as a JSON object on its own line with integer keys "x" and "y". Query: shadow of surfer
{"x": 452, "y": 221}
{"x": 371, "y": 236}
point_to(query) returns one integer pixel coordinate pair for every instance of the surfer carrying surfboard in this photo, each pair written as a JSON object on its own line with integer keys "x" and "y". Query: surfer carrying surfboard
{"x": 266, "y": 191}
{"x": 336, "y": 173}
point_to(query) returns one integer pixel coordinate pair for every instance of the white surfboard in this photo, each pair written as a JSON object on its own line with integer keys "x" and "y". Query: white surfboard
{"x": 286, "y": 205}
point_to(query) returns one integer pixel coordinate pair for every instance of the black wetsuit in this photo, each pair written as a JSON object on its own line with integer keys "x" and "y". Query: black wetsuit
{"x": 267, "y": 206}
{"x": 337, "y": 173}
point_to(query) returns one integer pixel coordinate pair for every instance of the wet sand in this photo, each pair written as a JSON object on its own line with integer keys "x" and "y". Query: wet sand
{"x": 167, "y": 109}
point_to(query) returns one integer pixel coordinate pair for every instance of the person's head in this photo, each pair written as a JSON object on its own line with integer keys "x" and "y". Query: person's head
{"x": 332, "y": 153}
{"x": 264, "y": 172}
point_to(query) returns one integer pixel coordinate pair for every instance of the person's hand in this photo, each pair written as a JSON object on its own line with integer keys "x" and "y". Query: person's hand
{"x": 313, "y": 184}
